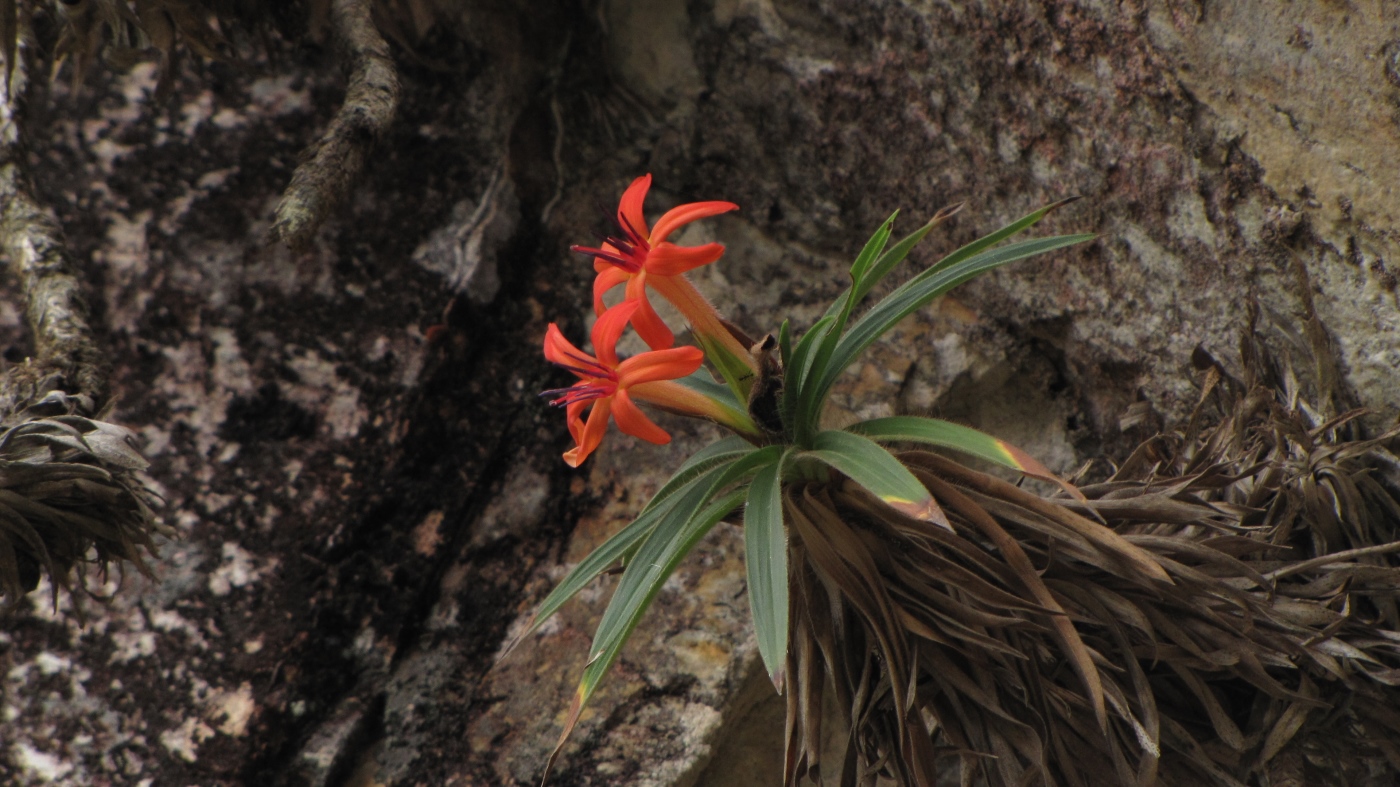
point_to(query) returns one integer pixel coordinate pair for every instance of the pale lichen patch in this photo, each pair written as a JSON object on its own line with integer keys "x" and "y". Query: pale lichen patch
{"x": 51, "y": 664}
{"x": 184, "y": 741}
{"x": 237, "y": 569}
{"x": 320, "y": 387}
{"x": 134, "y": 643}
{"x": 231, "y": 710}
{"x": 168, "y": 620}
{"x": 38, "y": 764}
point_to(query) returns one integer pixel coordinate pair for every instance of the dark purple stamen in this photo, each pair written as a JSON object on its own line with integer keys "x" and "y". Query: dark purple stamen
{"x": 582, "y": 392}
{"x": 631, "y": 252}
{"x": 633, "y": 234}
{"x": 626, "y": 263}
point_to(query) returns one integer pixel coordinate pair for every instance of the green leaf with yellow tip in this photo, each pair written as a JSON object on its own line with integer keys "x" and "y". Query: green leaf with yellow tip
{"x": 872, "y": 467}
{"x": 946, "y": 434}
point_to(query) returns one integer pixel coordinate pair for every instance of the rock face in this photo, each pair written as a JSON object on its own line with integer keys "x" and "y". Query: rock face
{"x": 363, "y": 515}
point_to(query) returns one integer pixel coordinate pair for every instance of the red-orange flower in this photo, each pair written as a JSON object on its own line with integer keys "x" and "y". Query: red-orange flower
{"x": 605, "y": 384}
{"x": 643, "y": 256}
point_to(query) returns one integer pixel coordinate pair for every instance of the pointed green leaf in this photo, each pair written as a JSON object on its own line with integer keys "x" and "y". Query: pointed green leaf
{"x": 664, "y": 549}
{"x": 912, "y": 296}
{"x": 706, "y": 460}
{"x": 1014, "y": 228}
{"x": 874, "y": 468}
{"x": 946, "y": 434}
{"x": 796, "y": 373}
{"x": 816, "y": 344}
{"x": 802, "y": 354}
{"x": 865, "y": 274}
{"x": 737, "y": 372}
{"x": 655, "y": 562}
{"x": 785, "y": 342}
{"x": 1010, "y": 230}
{"x": 692, "y": 482}
{"x": 872, "y": 249}
{"x": 869, "y": 270}
{"x": 896, "y": 255}
{"x": 647, "y": 571}
{"x": 701, "y": 381}
{"x": 672, "y": 538}
{"x": 765, "y": 557}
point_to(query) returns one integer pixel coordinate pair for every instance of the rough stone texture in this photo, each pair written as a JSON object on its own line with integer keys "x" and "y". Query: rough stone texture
{"x": 363, "y": 516}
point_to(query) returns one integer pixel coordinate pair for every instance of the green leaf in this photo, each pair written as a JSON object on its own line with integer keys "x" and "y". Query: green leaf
{"x": 874, "y": 468}
{"x": 705, "y": 460}
{"x": 695, "y": 476}
{"x": 736, "y": 372}
{"x": 863, "y": 278}
{"x": 872, "y": 265}
{"x": 896, "y": 255}
{"x": 669, "y": 542}
{"x": 664, "y": 549}
{"x": 802, "y": 355}
{"x": 646, "y": 572}
{"x": 785, "y": 342}
{"x": 868, "y": 270}
{"x": 1014, "y": 228}
{"x": 873, "y": 247}
{"x": 655, "y": 562}
{"x": 912, "y": 296}
{"x": 946, "y": 434}
{"x": 731, "y": 412}
{"x": 796, "y": 373}
{"x": 765, "y": 557}
{"x": 701, "y": 381}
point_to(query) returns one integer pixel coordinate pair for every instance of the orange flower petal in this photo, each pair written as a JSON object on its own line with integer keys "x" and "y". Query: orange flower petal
{"x": 631, "y": 420}
{"x": 610, "y": 276}
{"x": 592, "y": 435}
{"x": 608, "y": 328}
{"x": 648, "y": 323}
{"x": 669, "y": 364}
{"x": 629, "y": 208}
{"x": 668, "y": 259}
{"x": 559, "y": 350}
{"x": 681, "y": 215}
{"x": 573, "y": 411}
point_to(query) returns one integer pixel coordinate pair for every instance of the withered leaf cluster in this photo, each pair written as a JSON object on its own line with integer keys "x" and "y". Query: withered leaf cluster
{"x": 1234, "y": 623}
{"x": 69, "y": 497}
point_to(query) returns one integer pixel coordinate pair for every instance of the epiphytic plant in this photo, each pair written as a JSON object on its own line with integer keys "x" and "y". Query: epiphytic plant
{"x": 1137, "y": 631}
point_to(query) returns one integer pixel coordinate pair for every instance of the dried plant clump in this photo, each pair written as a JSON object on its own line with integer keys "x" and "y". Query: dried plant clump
{"x": 1234, "y": 621}
{"x": 120, "y": 34}
{"x": 69, "y": 496}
